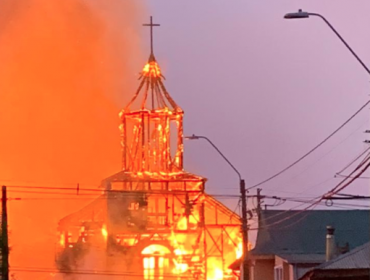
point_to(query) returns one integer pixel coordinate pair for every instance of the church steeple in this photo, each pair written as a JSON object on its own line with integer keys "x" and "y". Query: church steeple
{"x": 152, "y": 130}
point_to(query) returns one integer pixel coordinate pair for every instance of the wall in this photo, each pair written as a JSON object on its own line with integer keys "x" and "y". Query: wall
{"x": 286, "y": 267}
{"x": 264, "y": 270}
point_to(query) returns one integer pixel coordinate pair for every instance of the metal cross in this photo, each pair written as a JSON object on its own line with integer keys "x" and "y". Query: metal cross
{"x": 151, "y": 24}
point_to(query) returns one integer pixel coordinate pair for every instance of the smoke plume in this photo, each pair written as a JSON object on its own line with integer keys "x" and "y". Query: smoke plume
{"x": 66, "y": 68}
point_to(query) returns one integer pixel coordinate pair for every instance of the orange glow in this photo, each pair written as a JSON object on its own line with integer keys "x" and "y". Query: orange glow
{"x": 215, "y": 270}
{"x": 155, "y": 261}
{"x": 155, "y": 249}
{"x": 62, "y": 240}
{"x": 60, "y": 88}
{"x": 239, "y": 250}
{"x": 180, "y": 267}
{"x": 104, "y": 232}
{"x": 151, "y": 69}
{"x": 237, "y": 242}
{"x": 182, "y": 224}
{"x": 179, "y": 230}
{"x": 219, "y": 274}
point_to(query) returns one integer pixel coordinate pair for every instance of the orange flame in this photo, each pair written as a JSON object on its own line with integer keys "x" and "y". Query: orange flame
{"x": 104, "y": 232}
{"x": 215, "y": 270}
{"x": 151, "y": 69}
{"x": 62, "y": 240}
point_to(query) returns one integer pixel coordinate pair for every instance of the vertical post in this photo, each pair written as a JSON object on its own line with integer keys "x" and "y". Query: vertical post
{"x": 4, "y": 237}
{"x": 151, "y": 35}
{"x": 244, "y": 266}
{"x": 259, "y": 202}
{"x": 205, "y": 256}
{"x": 124, "y": 144}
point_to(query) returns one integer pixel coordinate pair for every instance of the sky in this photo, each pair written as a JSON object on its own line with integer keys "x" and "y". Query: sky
{"x": 266, "y": 90}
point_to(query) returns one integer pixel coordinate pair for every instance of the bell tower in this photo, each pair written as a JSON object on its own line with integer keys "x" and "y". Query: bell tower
{"x": 152, "y": 125}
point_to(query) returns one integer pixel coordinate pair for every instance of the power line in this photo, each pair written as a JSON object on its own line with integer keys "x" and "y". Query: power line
{"x": 314, "y": 164}
{"x": 49, "y": 190}
{"x": 101, "y": 195}
{"x": 354, "y": 160}
{"x": 347, "y": 176}
{"x": 305, "y": 201}
{"x": 338, "y": 188}
{"x": 89, "y": 272}
{"x": 312, "y": 150}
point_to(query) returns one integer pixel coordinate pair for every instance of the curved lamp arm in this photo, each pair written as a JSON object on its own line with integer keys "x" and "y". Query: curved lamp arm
{"x": 300, "y": 14}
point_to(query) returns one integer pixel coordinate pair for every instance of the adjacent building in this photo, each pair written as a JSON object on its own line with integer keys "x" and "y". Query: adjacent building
{"x": 291, "y": 243}
{"x": 354, "y": 265}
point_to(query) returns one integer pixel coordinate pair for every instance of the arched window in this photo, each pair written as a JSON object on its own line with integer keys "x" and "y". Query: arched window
{"x": 155, "y": 261}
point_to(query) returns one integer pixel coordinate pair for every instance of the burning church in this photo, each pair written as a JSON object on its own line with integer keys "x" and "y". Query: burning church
{"x": 153, "y": 219}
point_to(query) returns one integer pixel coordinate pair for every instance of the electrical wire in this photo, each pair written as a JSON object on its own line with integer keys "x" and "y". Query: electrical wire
{"x": 88, "y": 272}
{"x": 49, "y": 191}
{"x": 310, "y": 151}
{"x": 318, "y": 200}
{"x": 347, "y": 176}
{"x": 338, "y": 188}
{"x": 354, "y": 160}
{"x": 314, "y": 163}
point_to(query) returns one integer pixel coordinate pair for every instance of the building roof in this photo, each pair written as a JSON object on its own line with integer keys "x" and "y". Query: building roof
{"x": 127, "y": 176}
{"x": 93, "y": 211}
{"x": 355, "y": 262}
{"x": 358, "y": 258}
{"x": 304, "y": 232}
{"x": 151, "y": 92}
{"x": 303, "y": 258}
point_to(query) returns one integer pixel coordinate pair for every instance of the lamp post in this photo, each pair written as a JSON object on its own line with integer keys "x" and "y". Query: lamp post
{"x": 300, "y": 14}
{"x": 244, "y": 266}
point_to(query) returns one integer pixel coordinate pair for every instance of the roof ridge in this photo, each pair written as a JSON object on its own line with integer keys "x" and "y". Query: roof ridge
{"x": 345, "y": 255}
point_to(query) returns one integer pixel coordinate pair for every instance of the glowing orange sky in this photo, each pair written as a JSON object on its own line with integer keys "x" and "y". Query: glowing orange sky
{"x": 65, "y": 71}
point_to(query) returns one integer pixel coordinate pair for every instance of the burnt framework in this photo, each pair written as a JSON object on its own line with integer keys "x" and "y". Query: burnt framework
{"x": 153, "y": 214}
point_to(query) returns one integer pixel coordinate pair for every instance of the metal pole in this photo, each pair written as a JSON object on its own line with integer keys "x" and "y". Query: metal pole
{"x": 343, "y": 41}
{"x": 4, "y": 237}
{"x": 244, "y": 268}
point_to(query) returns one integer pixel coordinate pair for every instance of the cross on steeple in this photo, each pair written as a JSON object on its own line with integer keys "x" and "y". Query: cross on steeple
{"x": 151, "y": 24}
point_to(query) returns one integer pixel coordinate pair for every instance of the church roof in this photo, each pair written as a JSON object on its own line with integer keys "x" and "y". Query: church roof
{"x": 151, "y": 93}
{"x": 126, "y": 176}
{"x": 96, "y": 210}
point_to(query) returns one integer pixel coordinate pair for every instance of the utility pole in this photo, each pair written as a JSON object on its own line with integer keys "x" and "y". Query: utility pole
{"x": 4, "y": 238}
{"x": 259, "y": 203}
{"x": 244, "y": 266}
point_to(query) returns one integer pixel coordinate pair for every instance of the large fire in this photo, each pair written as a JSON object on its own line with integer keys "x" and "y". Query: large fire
{"x": 183, "y": 245}
{"x": 154, "y": 219}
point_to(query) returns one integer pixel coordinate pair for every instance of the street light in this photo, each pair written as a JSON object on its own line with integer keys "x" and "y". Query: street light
{"x": 300, "y": 14}
{"x": 245, "y": 269}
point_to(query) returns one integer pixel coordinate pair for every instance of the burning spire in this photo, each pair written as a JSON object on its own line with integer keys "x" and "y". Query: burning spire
{"x": 151, "y": 122}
